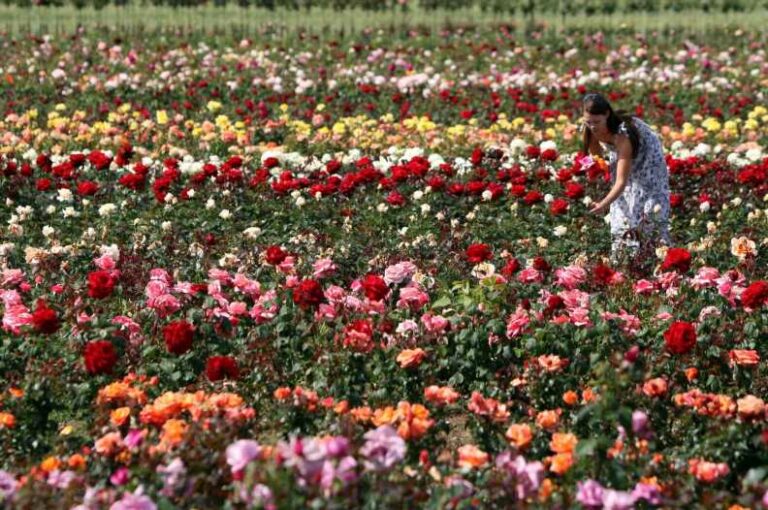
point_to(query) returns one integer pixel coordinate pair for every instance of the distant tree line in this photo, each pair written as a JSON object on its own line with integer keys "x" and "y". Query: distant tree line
{"x": 525, "y": 7}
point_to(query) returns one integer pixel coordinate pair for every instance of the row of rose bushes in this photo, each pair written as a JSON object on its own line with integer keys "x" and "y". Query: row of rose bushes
{"x": 399, "y": 326}
{"x": 171, "y": 96}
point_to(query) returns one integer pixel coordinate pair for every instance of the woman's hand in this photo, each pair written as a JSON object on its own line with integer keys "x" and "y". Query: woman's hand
{"x": 599, "y": 208}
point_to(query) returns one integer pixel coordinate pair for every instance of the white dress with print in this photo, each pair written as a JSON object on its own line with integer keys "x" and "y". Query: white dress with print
{"x": 642, "y": 210}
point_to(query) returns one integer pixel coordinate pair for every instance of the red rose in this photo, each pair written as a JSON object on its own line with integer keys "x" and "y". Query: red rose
{"x": 375, "y": 287}
{"x": 221, "y": 367}
{"x": 87, "y": 188}
{"x": 99, "y": 160}
{"x": 510, "y": 267}
{"x": 271, "y": 162}
{"x": 517, "y": 190}
{"x": 178, "y": 336}
{"x": 308, "y": 294}
{"x": 44, "y": 319}
{"x": 549, "y": 155}
{"x": 533, "y": 197}
{"x": 532, "y": 151}
{"x": 680, "y": 338}
{"x": 395, "y": 199}
{"x": 275, "y": 255}
{"x": 477, "y": 253}
{"x": 756, "y": 295}
{"x": 677, "y": 259}
{"x": 675, "y": 200}
{"x": 100, "y": 357}
{"x": 43, "y": 184}
{"x": 100, "y": 284}
{"x": 574, "y": 190}
{"x": 558, "y": 206}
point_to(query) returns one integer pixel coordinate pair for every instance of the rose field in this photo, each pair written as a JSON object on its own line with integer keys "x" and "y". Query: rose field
{"x": 361, "y": 272}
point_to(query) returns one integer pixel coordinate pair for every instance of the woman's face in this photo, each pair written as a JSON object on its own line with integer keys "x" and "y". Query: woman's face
{"x": 595, "y": 122}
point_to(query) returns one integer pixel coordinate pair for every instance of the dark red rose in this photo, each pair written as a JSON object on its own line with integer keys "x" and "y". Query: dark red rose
{"x": 100, "y": 357}
{"x": 178, "y": 336}
{"x": 375, "y": 287}
{"x": 221, "y": 367}
{"x": 44, "y": 319}
{"x": 477, "y": 253}
{"x": 756, "y": 295}
{"x": 554, "y": 302}
{"x": 275, "y": 255}
{"x": 675, "y": 200}
{"x": 541, "y": 264}
{"x": 532, "y": 151}
{"x": 677, "y": 259}
{"x": 558, "y": 206}
{"x": 549, "y": 155}
{"x": 308, "y": 294}
{"x": 271, "y": 162}
{"x": 333, "y": 166}
{"x": 100, "y": 284}
{"x": 533, "y": 197}
{"x": 602, "y": 274}
{"x": 680, "y": 338}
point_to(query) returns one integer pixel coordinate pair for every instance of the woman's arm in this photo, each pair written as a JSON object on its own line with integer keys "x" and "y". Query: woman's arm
{"x": 623, "y": 167}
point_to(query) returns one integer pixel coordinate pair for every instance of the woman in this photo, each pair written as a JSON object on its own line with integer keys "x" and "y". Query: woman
{"x": 639, "y": 197}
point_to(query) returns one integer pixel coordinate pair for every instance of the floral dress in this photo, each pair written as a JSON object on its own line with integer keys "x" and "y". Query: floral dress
{"x": 641, "y": 213}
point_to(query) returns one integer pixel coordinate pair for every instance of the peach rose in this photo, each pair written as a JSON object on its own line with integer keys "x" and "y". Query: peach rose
{"x": 519, "y": 434}
{"x": 470, "y": 456}
{"x": 411, "y": 357}
{"x": 655, "y": 387}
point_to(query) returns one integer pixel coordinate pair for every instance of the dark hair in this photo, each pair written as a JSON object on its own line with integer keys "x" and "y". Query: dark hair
{"x": 596, "y": 104}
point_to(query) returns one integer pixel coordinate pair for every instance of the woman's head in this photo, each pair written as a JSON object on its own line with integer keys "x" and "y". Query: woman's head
{"x": 599, "y": 118}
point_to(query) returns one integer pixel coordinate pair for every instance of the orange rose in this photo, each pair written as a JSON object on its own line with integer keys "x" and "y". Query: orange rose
{"x": 50, "y": 464}
{"x": 655, "y": 387}
{"x": 519, "y": 435}
{"x": 548, "y": 419}
{"x": 282, "y": 393}
{"x": 470, "y": 456}
{"x": 570, "y": 397}
{"x": 341, "y": 407}
{"x": 411, "y": 357}
{"x": 76, "y": 461}
{"x": 7, "y": 420}
{"x": 588, "y": 395}
{"x": 119, "y": 416}
{"x": 691, "y": 373}
{"x": 385, "y": 416}
{"x": 361, "y": 414}
{"x": 563, "y": 442}
{"x": 561, "y": 463}
{"x": 174, "y": 431}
